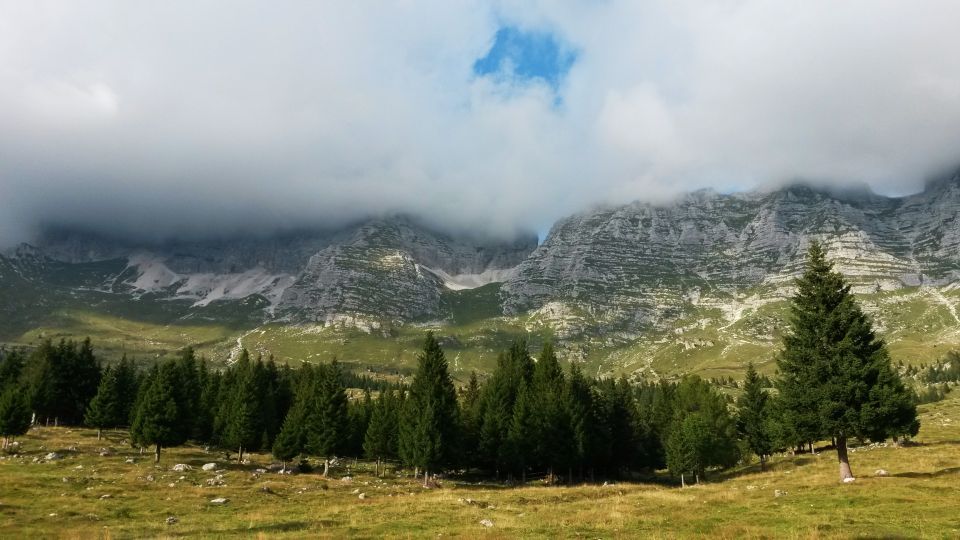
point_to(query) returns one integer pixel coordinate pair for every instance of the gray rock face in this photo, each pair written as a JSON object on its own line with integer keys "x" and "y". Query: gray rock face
{"x": 383, "y": 270}
{"x": 391, "y": 270}
{"x": 638, "y": 265}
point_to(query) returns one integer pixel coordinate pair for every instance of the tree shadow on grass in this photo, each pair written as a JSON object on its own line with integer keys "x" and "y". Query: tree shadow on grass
{"x": 285, "y": 526}
{"x": 778, "y": 465}
{"x": 934, "y": 474}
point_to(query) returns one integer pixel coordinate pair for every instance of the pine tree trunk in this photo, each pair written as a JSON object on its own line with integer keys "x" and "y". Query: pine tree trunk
{"x": 763, "y": 460}
{"x": 157, "y": 458}
{"x": 56, "y": 421}
{"x": 845, "y": 471}
{"x": 683, "y": 483}
{"x": 426, "y": 476}
{"x": 240, "y": 455}
{"x": 4, "y": 443}
{"x": 811, "y": 449}
{"x": 326, "y": 467}
{"x": 377, "y": 469}
{"x": 99, "y": 433}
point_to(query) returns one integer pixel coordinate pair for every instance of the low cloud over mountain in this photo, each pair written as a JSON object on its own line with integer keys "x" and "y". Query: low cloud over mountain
{"x": 215, "y": 118}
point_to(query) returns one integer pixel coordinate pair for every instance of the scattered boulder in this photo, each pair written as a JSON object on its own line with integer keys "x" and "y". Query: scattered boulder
{"x": 209, "y": 466}
{"x": 362, "y": 496}
{"x": 219, "y": 501}
{"x": 751, "y": 488}
{"x": 130, "y": 461}
{"x": 106, "y": 496}
{"x": 181, "y": 467}
{"x": 171, "y": 520}
{"x": 260, "y": 471}
{"x": 849, "y": 480}
{"x": 779, "y": 493}
{"x": 106, "y": 452}
{"x": 53, "y": 456}
{"x": 150, "y": 478}
{"x": 216, "y": 481}
{"x": 486, "y": 523}
{"x": 346, "y": 479}
{"x": 881, "y": 472}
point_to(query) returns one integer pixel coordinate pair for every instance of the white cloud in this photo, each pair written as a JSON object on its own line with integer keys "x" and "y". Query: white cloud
{"x": 213, "y": 117}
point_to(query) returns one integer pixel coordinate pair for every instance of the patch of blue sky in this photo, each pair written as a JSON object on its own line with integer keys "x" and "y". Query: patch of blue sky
{"x": 527, "y": 57}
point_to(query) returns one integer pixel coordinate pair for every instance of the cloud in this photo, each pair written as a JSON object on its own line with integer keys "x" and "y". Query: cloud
{"x": 216, "y": 117}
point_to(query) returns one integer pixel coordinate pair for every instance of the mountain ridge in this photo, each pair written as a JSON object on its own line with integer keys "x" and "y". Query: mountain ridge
{"x": 631, "y": 288}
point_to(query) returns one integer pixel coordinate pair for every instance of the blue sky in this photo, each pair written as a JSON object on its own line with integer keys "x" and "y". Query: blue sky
{"x": 527, "y": 56}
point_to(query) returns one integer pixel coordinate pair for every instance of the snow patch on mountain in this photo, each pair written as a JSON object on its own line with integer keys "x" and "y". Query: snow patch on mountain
{"x": 461, "y": 282}
{"x": 153, "y": 275}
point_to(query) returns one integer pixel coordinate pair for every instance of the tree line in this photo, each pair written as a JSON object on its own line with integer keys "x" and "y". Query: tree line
{"x": 530, "y": 416}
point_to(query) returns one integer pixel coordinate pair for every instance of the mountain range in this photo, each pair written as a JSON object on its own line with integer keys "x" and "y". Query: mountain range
{"x": 697, "y": 284}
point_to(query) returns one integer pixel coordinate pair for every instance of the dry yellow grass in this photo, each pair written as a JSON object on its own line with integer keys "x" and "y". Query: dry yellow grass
{"x": 62, "y": 499}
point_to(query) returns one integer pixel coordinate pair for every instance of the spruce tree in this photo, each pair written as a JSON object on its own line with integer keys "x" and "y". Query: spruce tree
{"x": 711, "y": 435}
{"x": 579, "y": 405}
{"x": 242, "y": 426}
{"x": 291, "y": 441}
{"x": 549, "y": 436}
{"x": 380, "y": 440}
{"x": 470, "y": 421}
{"x": 326, "y": 416}
{"x": 14, "y": 414}
{"x": 157, "y": 420}
{"x": 521, "y": 433}
{"x": 514, "y": 369}
{"x": 11, "y": 367}
{"x": 358, "y": 420}
{"x": 105, "y": 411}
{"x": 688, "y": 446}
{"x": 127, "y": 382}
{"x": 753, "y": 416}
{"x": 428, "y": 426}
{"x": 834, "y": 370}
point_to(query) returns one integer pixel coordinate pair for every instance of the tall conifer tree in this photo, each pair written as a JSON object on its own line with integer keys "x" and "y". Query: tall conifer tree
{"x": 14, "y": 414}
{"x": 834, "y": 370}
{"x": 428, "y": 425}
{"x": 753, "y": 416}
{"x": 326, "y": 426}
{"x": 105, "y": 410}
{"x": 157, "y": 420}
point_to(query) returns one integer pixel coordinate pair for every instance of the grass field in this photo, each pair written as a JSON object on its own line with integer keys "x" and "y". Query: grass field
{"x": 85, "y": 495}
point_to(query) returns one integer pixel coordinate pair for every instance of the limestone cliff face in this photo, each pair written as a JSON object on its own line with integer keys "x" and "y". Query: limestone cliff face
{"x": 385, "y": 270}
{"x": 641, "y": 265}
